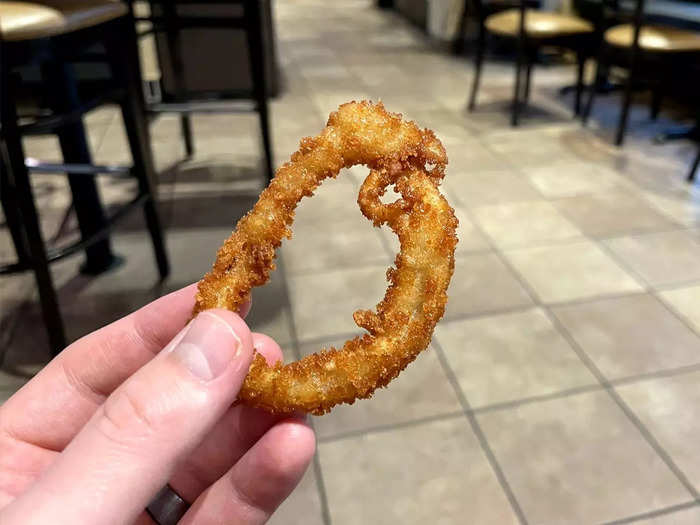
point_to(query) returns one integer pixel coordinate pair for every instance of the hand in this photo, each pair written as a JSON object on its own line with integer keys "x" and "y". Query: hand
{"x": 104, "y": 426}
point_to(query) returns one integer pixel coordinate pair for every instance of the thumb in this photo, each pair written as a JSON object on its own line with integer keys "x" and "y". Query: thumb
{"x": 130, "y": 447}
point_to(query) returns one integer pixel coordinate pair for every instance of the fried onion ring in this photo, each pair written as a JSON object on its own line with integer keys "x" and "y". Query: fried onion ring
{"x": 398, "y": 153}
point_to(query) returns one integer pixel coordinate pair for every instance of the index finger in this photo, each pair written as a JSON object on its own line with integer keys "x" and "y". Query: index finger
{"x": 65, "y": 394}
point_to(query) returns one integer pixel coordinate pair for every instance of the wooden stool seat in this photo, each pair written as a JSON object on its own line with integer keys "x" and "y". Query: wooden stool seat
{"x": 31, "y": 20}
{"x": 538, "y": 24}
{"x": 664, "y": 39}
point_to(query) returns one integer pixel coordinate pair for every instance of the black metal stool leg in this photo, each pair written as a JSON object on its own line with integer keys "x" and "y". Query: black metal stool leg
{"x": 256, "y": 54}
{"x": 694, "y": 167}
{"x": 528, "y": 74}
{"x": 63, "y": 94}
{"x": 123, "y": 55}
{"x": 186, "y": 125}
{"x": 13, "y": 218}
{"x": 594, "y": 88}
{"x": 515, "y": 109}
{"x": 581, "y": 65}
{"x": 18, "y": 180}
{"x": 478, "y": 64}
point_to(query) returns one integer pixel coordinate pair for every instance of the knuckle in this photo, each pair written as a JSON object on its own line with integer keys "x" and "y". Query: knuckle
{"x": 126, "y": 418}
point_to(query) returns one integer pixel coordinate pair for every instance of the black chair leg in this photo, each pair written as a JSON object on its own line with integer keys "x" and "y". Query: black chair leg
{"x": 123, "y": 55}
{"x": 63, "y": 97}
{"x": 20, "y": 188}
{"x": 515, "y": 109}
{"x": 478, "y": 63}
{"x": 186, "y": 124}
{"x": 256, "y": 55}
{"x": 594, "y": 88}
{"x": 694, "y": 168}
{"x": 624, "y": 114}
{"x": 528, "y": 74}
{"x": 581, "y": 65}
{"x": 13, "y": 218}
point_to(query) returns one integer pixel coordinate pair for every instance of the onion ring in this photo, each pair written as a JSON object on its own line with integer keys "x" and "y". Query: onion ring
{"x": 398, "y": 153}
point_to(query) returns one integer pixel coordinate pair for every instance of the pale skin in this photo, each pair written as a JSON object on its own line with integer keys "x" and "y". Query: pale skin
{"x": 141, "y": 403}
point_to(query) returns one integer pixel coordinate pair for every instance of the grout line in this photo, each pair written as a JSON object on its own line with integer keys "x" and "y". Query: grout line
{"x": 654, "y": 513}
{"x": 646, "y": 434}
{"x": 665, "y": 456}
{"x": 649, "y": 289}
{"x": 316, "y": 462}
{"x": 679, "y": 315}
{"x": 321, "y": 489}
{"x": 390, "y": 427}
{"x": 670, "y": 372}
{"x": 537, "y": 399}
{"x": 478, "y": 432}
{"x": 675, "y": 285}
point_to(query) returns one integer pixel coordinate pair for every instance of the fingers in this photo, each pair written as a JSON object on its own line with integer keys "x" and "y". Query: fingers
{"x": 65, "y": 394}
{"x": 229, "y": 440}
{"x": 255, "y": 486}
{"x": 132, "y": 444}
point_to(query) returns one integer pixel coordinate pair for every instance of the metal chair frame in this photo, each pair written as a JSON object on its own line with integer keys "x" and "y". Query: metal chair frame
{"x": 56, "y": 56}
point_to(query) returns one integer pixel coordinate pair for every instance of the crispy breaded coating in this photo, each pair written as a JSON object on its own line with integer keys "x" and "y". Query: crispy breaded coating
{"x": 398, "y": 153}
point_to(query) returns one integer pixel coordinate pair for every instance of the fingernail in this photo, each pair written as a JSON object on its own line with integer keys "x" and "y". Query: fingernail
{"x": 208, "y": 347}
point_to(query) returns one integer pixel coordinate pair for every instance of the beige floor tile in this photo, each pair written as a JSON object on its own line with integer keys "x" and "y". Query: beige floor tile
{"x": 440, "y": 475}
{"x": 569, "y": 178}
{"x": 579, "y": 460}
{"x": 527, "y": 149}
{"x": 405, "y": 399}
{"x": 669, "y": 408}
{"x": 631, "y": 335}
{"x": 682, "y": 206}
{"x": 472, "y": 157}
{"x": 660, "y": 258}
{"x": 334, "y": 200}
{"x": 508, "y": 357}
{"x": 612, "y": 214}
{"x": 303, "y": 506}
{"x": 329, "y": 231}
{"x": 323, "y": 304}
{"x": 335, "y": 244}
{"x": 681, "y": 517}
{"x": 479, "y": 188}
{"x": 685, "y": 301}
{"x": 525, "y": 223}
{"x": 481, "y": 283}
{"x": 571, "y": 271}
{"x": 470, "y": 239}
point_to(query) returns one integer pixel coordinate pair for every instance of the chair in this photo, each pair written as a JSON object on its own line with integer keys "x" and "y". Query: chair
{"x": 55, "y": 36}
{"x": 531, "y": 29}
{"x": 488, "y": 7}
{"x": 167, "y": 21}
{"x": 660, "y": 48}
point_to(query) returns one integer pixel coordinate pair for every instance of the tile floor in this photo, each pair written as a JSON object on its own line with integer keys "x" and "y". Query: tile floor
{"x": 563, "y": 384}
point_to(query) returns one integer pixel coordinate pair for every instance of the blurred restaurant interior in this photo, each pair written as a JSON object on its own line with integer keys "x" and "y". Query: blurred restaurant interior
{"x": 563, "y": 383}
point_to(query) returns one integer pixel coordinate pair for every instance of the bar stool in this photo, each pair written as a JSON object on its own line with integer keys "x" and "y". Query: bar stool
{"x": 658, "y": 50}
{"x": 55, "y": 35}
{"x": 168, "y": 22}
{"x": 531, "y": 29}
